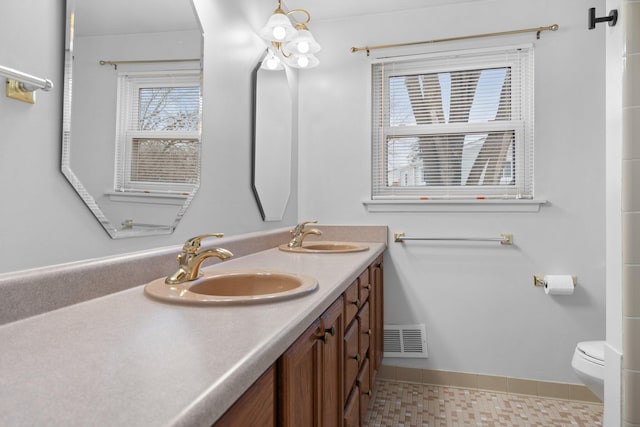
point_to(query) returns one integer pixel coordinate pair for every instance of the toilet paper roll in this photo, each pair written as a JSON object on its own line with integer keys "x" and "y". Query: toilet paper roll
{"x": 558, "y": 284}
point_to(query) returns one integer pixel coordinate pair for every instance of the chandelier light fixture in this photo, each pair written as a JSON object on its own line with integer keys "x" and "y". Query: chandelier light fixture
{"x": 291, "y": 41}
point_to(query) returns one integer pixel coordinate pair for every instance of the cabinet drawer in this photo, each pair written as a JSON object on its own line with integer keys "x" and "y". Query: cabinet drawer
{"x": 352, "y": 410}
{"x": 364, "y": 286}
{"x": 351, "y": 357}
{"x": 365, "y": 388}
{"x": 351, "y": 303}
{"x": 365, "y": 330}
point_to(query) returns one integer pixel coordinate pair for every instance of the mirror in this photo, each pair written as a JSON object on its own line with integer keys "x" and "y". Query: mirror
{"x": 132, "y": 111}
{"x": 272, "y": 120}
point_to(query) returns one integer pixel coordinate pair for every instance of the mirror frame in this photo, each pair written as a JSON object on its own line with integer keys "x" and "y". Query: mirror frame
{"x": 254, "y": 129}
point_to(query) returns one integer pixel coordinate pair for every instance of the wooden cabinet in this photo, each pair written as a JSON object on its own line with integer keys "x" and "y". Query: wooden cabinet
{"x": 310, "y": 374}
{"x": 256, "y": 406}
{"x": 326, "y": 377}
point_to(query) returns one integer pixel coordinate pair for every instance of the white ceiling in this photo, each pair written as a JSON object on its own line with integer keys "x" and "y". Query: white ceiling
{"x": 102, "y": 17}
{"x": 332, "y": 9}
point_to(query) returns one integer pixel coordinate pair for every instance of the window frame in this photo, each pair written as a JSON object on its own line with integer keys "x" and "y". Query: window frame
{"x": 128, "y": 84}
{"x": 522, "y": 81}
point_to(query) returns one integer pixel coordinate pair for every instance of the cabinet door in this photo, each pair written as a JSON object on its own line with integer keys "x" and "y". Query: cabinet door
{"x": 255, "y": 407}
{"x": 332, "y": 377}
{"x": 299, "y": 368}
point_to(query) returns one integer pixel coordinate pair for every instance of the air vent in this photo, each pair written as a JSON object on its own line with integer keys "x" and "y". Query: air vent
{"x": 405, "y": 341}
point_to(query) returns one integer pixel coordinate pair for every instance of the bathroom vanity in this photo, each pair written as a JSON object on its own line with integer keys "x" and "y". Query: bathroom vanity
{"x": 326, "y": 376}
{"x": 127, "y": 359}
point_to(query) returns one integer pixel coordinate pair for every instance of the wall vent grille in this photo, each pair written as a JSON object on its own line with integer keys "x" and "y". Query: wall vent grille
{"x": 405, "y": 341}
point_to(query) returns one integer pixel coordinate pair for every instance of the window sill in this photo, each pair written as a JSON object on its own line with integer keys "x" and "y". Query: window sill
{"x": 152, "y": 198}
{"x": 488, "y": 205}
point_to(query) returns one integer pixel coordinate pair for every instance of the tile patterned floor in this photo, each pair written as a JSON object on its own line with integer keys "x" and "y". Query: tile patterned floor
{"x": 398, "y": 404}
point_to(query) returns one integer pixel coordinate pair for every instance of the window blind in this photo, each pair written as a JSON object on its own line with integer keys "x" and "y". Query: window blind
{"x": 454, "y": 126}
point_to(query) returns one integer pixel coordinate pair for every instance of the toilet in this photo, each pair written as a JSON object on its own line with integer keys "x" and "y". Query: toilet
{"x": 588, "y": 363}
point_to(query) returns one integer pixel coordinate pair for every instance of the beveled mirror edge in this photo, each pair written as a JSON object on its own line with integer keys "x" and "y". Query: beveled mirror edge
{"x": 254, "y": 137}
{"x": 254, "y": 112}
{"x": 65, "y": 160}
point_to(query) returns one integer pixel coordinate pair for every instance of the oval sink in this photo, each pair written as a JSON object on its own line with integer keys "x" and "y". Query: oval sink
{"x": 326, "y": 247}
{"x": 234, "y": 287}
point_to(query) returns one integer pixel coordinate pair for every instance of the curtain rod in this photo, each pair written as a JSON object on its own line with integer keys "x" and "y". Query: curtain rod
{"x": 145, "y": 61}
{"x": 536, "y": 30}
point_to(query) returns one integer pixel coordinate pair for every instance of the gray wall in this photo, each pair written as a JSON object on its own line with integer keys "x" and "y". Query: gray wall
{"x": 43, "y": 221}
{"x": 482, "y": 312}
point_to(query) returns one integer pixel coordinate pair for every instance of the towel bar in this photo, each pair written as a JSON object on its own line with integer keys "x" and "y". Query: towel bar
{"x": 504, "y": 239}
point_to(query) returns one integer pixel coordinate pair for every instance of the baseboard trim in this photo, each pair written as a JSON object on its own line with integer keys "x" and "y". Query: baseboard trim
{"x": 547, "y": 389}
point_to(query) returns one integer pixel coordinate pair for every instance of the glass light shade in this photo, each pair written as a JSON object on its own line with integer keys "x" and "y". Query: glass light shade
{"x": 303, "y": 61}
{"x": 303, "y": 43}
{"x": 272, "y": 62}
{"x": 278, "y": 28}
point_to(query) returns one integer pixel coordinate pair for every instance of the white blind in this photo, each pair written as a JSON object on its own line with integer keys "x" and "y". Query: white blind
{"x": 455, "y": 126}
{"x": 161, "y": 137}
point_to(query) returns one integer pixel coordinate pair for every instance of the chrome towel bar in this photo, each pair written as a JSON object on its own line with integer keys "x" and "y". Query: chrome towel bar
{"x": 22, "y": 86}
{"x": 29, "y": 83}
{"x": 504, "y": 239}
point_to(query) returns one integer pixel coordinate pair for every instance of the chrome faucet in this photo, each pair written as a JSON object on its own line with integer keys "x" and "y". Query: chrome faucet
{"x": 190, "y": 259}
{"x": 298, "y": 234}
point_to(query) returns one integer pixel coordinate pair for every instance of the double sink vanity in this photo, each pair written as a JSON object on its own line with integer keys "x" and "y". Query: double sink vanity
{"x": 293, "y": 335}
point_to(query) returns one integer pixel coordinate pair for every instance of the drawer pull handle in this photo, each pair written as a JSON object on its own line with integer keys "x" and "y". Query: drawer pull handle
{"x": 356, "y": 303}
{"x": 331, "y": 332}
{"x": 368, "y": 332}
{"x": 356, "y": 358}
{"x": 367, "y": 287}
{"x": 368, "y": 393}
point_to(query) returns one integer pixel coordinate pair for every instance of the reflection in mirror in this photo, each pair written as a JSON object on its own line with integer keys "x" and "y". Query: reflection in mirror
{"x": 131, "y": 124}
{"x": 272, "y": 120}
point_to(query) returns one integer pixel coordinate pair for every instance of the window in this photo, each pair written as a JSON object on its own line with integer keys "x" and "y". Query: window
{"x": 454, "y": 126}
{"x": 158, "y": 135}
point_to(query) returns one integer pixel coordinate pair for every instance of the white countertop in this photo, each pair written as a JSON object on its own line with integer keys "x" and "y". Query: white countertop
{"x": 125, "y": 359}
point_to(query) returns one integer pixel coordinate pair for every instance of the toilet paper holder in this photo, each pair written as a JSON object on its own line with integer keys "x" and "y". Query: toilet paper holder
{"x": 538, "y": 280}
